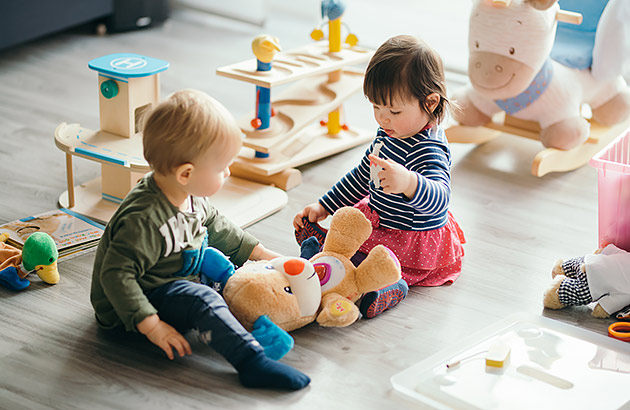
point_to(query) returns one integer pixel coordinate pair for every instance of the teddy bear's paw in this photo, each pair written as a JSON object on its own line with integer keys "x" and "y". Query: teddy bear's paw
{"x": 557, "y": 268}
{"x": 551, "y": 300}
{"x": 599, "y": 312}
{"x": 338, "y": 313}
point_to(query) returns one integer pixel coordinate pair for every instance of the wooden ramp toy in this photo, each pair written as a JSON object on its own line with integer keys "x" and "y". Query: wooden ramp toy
{"x": 547, "y": 160}
{"x": 289, "y": 134}
{"x": 128, "y": 87}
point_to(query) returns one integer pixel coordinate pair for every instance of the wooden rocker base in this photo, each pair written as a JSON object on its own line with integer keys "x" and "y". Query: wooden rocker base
{"x": 243, "y": 202}
{"x": 549, "y": 159}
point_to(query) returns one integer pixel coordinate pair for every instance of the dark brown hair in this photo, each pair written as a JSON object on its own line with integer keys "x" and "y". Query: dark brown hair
{"x": 405, "y": 67}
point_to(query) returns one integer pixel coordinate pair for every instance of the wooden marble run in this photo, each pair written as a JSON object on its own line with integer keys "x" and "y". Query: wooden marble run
{"x": 285, "y": 131}
{"x": 547, "y": 160}
{"x": 128, "y": 87}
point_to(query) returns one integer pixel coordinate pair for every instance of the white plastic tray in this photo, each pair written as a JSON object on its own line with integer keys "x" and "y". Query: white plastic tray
{"x": 551, "y": 365}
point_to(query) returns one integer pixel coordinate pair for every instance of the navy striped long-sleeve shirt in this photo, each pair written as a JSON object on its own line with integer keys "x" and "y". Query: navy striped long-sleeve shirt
{"x": 427, "y": 154}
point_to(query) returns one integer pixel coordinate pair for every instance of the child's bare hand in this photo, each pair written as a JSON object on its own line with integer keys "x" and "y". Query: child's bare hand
{"x": 262, "y": 253}
{"x": 315, "y": 212}
{"x": 395, "y": 178}
{"x": 164, "y": 336}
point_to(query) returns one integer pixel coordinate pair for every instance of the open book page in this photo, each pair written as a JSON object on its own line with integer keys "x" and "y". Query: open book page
{"x": 68, "y": 229}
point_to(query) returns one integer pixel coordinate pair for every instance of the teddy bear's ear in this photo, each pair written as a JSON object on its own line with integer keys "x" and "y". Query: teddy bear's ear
{"x": 349, "y": 228}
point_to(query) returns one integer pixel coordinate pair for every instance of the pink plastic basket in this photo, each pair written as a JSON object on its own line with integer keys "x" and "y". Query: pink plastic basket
{"x": 613, "y": 191}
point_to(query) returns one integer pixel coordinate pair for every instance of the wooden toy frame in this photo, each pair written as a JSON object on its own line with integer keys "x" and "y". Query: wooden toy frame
{"x": 294, "y": 137}
{"x": 243, "y": 202}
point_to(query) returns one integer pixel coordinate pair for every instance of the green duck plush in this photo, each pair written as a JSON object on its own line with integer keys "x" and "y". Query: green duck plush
{"x": 40, "y": 254}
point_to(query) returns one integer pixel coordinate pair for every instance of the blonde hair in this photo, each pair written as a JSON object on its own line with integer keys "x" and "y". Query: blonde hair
{"x": 184, "y": 126}
{"x": 406, "y": 67}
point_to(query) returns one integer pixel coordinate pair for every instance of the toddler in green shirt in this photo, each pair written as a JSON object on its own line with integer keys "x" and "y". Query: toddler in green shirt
{"x": 148, "y": 262}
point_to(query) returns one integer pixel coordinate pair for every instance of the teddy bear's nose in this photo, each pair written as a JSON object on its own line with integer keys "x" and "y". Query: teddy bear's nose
{"x": 293, "y": 267}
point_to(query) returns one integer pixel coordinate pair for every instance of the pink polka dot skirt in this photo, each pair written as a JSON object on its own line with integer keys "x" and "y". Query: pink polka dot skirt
{"x": 428, "y": 258}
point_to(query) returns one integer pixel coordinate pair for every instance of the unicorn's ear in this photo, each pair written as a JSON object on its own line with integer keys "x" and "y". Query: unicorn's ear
{"x": 541, "y": 4}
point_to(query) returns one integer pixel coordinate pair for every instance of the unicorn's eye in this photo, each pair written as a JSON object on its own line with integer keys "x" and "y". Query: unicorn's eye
{"x": 511, "y": 50}
{"x": 288, "y": 289}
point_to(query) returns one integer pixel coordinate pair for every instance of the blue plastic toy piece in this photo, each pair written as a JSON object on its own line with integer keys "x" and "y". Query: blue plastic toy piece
{"x": 9, "y": 279}
{"x": 109, "y": 89}
{"x": 333, "y": 9}
{"x": 273, "y": 339}
{"x": 127, "y": 65}
{"x": 101, "y": 156}
{"x": 573, "y": 46}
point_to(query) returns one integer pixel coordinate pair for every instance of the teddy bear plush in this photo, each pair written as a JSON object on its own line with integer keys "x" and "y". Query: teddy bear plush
{"x": 511, "y": 68}
{"x": 603, "y": 276}
{"x": 294, "y": 292}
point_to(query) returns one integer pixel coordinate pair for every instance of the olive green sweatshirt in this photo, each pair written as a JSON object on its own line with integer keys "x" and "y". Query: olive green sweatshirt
{"x": 149, "y": 242}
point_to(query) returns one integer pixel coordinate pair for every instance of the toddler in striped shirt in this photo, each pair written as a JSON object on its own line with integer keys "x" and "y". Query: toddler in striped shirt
{"x": 402, "y": 183}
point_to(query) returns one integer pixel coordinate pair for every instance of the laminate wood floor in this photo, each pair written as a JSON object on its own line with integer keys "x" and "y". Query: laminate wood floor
{"x": 52, "y": 355}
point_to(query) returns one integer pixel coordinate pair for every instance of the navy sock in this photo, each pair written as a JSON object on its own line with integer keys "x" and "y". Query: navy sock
{"x": 310, "y": 247}
{"x": 374, "y": 303}
{"x": 260, "y": 371}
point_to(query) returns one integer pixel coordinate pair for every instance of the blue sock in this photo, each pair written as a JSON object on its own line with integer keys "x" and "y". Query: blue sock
{"x": 374, "y": 303}
{"x": 260, "y": 371}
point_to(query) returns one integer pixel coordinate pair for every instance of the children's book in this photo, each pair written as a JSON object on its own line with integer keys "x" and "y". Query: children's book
{"x": 71, "y": 231}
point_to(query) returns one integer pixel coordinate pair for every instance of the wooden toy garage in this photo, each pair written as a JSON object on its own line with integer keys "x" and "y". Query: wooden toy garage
{"x": 129, "y": 86}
